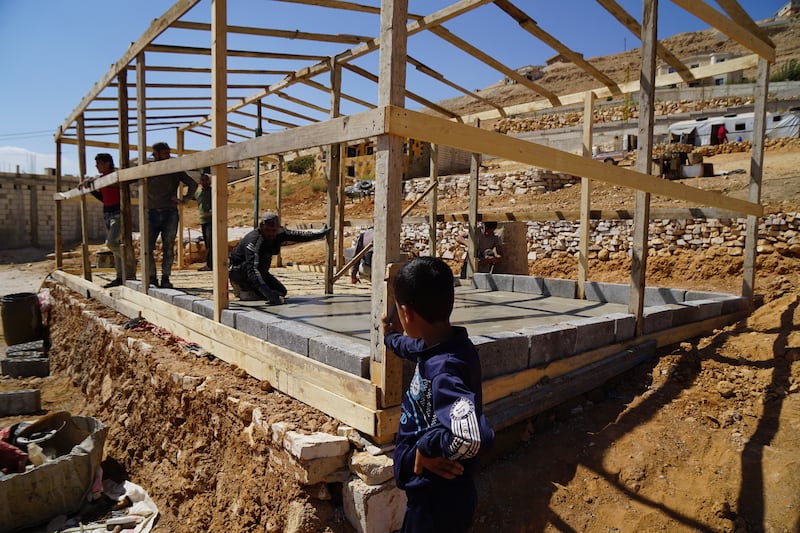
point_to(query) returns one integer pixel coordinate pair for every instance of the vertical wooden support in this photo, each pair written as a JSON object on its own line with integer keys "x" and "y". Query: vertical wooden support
{"x": 257, "y": 172}
{"x": 123, "y": 161}
{"x": 756, "y": 172}
{"x": 59, "y": 244}
{"x": 433, "y": 200}
{"x": 333, "y": 171}
{"x": 219, "y": 179}
{"x": 340, "y": 204}
{"x": 472, "y": 209}
{"x": 386, "y": 372}
{"x": 278, "y": 202}
{"x": 141, "y": 130}
{"x": 86, "y": 266}
{"x": 644, "y": 151}
{"x": 181, "y": 192}
{"x": 586, "y": 196}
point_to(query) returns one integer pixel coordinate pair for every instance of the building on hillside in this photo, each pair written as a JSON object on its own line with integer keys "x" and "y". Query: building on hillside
{"x": 702, "y": 131}
{"x": 531, "y": 72}
{"x": 792, "y": 7}
{"x": 702, "y": 60}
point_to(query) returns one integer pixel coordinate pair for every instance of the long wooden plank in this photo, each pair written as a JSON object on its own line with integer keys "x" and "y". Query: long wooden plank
{"x": 730, "y": 28}
{"x": 707, "y": 71}
{"x": 410, "y": 124}
{"x": 343, "y": 129}
{"x": 158, "y": 26}
{"x": 735, "y": 11}
{"x": 285, "y": 34}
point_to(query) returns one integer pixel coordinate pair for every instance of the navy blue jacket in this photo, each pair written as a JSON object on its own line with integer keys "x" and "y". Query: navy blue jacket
{"x": 442, "y": 410}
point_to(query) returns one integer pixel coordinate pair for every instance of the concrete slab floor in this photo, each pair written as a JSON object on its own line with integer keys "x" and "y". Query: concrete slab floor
{"x": 346, "y": 312}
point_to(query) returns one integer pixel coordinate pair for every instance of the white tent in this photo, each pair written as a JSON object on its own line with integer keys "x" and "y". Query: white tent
{"x": 703, "y": 131}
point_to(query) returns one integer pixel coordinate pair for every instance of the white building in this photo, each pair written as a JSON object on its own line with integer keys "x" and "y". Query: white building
{"x": 702, "y": 60}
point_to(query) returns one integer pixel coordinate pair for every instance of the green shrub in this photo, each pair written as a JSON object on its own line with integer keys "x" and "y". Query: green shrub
{"x": 301, "y": 165}
{"x": 789, "y": 71}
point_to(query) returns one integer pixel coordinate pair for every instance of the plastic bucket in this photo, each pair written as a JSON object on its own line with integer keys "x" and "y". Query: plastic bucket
{"x": 22, "y": 318}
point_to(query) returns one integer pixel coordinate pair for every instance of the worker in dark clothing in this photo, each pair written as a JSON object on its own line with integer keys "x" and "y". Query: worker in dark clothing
{"x": 250, "y": 260}
{"x": 363, "y": 266}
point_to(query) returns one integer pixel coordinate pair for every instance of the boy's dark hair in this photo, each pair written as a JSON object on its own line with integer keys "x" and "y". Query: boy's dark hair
{"x": 105, "y": 158}
{"x": 425, "y": 284}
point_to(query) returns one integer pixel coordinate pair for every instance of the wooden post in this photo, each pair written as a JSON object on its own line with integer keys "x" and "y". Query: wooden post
{"x": 340, "y": 203}
{"x": 124, "y": 161}
{"x": 219, "y": 180}
{"x": 333, "y": 170}
{"x": 257, "y": 172}
{"x": 59, "y": 244}
{"x": 141, "y": 130}
{"x": 474, "y": 176}
{"x": 756, "y": 172}
{"x": 386, "y": 372}
{"x": 644, "y": 151}
{"x": 181, "y": 187}
{"x": 278, "y": 198}
{"x": 586, "y": 196}
{"x": 87, "y": 267}
{"x": 433, "y": 207}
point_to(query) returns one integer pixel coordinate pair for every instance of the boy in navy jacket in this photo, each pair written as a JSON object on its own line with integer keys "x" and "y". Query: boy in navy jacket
{"x": 442, "y": 427}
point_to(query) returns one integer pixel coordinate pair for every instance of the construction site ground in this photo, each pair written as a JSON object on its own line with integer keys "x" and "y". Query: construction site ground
{"x": 703, "y": 438}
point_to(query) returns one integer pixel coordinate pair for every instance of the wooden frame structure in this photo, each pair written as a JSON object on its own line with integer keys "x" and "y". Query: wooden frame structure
{"x": 374, "y": 408}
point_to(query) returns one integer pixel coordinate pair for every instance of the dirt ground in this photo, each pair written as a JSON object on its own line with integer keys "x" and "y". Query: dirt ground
{"x": 703, "y": 438}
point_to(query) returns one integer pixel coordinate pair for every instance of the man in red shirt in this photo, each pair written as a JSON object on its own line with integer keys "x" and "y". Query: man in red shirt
{"x": 111, "y": 214}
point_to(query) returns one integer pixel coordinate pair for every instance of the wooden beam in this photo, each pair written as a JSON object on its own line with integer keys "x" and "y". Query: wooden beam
{"x": 735, "y": 11}
{"x": 732, "y": 29}
{"x": 474, "y": 178}
{"x": 284, "y": 34}
{"x": 144, "y": 230}
{"x": 530, "y": 25}
{"x": 633, "y": 25}
{"x": 411, "y": 124}
{"x": 644, "y": 163}
{"x": 344, "y": 96}
{"x": 219, "y": 178}
{"x": 333, "y": 167}
{"x": 586, "y": 197}
{"x": 59, "y": 242}
{"x": 196, "y": 50}
{"x": 756, "y": 175}
{"x": 86, "y": 265}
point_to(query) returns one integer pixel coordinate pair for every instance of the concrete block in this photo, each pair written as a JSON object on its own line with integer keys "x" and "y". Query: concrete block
{"x": 550, "y": 342}
{"x": 228, "y": 317}
{"x": 706, "y": 308}
{"x": 23, "y": 367}
{"x": 561, "y": 288}
{"x": 373, "y": 508}
{"x": 593, "y": 332}
{"x": 321, "y": 470}
{"x": 502, "y": 353}
{"x": 167, "y": 295}
{"x": 497, "y": 282}
{"x": 529, "y": 284}
{"x": 663, "y": 295}
{"x": 657, "y": 318}
{"x": 341, "y": 353}
{"x": 481, "y": 281}
{"x": 36, "y": 346}
{"x": 703, "y": 295}
{"x": 133, "y": 284}
{"x": 184, "y": 301}
{"x": 291, "y": 335}
{"x": 203, "y": 308}
{"x": 624, "y": 326}
{"x": 733, "y": 304}
{"x": 255, "y": 323}
{"x": 615, "y": 293}
{"x": 20, "y": 402}
{"x": 372, "y": 469}
{"x": 315, "y": 445}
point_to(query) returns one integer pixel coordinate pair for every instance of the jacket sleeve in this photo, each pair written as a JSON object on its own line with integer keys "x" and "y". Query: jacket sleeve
{"x": 461, "y": 432}
{"x": 252, "y": 263}
{"x": 187, "y": 179}
{"x": 403, "y": 345}
{"x": 290, "y": 235}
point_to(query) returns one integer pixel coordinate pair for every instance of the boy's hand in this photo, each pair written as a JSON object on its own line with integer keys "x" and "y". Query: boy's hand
{"x": 391, "y": 324}
{"x": 438, "y": 465}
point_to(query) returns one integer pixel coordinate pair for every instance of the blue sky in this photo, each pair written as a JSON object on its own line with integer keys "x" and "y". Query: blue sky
{"x": 53, "y": 51}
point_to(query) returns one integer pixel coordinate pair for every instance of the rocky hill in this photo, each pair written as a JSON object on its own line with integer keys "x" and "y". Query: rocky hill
{"x": 566, "y": 78}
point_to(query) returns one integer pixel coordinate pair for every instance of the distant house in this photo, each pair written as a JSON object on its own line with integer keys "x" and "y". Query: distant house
{"x": 531, "y": 72}
{"x": 703, "y": 130}
{"x": 702, "y": 60}
{"x": 792, "y": 7}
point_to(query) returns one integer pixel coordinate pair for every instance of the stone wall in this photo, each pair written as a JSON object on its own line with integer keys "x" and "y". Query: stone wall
{"x": 530, "y": 181}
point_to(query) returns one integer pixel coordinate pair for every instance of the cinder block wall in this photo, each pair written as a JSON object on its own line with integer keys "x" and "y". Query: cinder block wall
{"x": 28, "y": 212}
